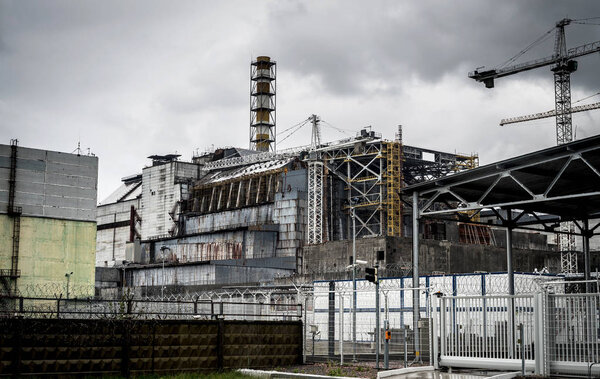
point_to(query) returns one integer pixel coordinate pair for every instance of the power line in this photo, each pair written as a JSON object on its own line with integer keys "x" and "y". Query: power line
{"x": 345, "y": 131}
{"x": 299, "y": 126}
{"x": 293, "y": 126}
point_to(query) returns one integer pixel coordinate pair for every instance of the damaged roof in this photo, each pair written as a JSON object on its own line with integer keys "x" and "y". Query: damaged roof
{"x": 217, "y": 176}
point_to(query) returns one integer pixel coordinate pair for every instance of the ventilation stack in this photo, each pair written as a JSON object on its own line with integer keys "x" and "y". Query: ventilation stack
{"x": 262, "y": 104}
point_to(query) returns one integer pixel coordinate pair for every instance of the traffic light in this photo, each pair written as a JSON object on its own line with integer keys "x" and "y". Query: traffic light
{"x": 371, "y": 274}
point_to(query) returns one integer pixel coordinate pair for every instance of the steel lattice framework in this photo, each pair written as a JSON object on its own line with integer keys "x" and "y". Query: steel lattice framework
{"x": 315, "y": 202}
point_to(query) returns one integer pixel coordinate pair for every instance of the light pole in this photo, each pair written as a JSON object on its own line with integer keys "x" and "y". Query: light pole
{"x": 68, "y": 276}
{"x": 162, "y": 287}
{"x": 353, "y": 284}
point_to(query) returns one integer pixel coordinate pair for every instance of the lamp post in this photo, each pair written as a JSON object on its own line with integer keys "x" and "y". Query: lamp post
{"x": 68, "y": 276}
{"x": 162, "y": 287}
{"x": 353, "y": 284}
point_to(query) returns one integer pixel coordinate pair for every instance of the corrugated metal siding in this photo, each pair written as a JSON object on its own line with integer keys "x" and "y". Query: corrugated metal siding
{"x": 51, "y": 184}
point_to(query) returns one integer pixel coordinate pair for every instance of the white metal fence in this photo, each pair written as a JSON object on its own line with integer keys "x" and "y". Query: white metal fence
{"x": 329, "y": 310}
{"x": 545, "y": 333}
{"x": 572, "y": 328}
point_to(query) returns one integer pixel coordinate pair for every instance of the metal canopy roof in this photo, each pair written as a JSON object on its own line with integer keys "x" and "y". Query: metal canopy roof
{"x": 563, "y": 181}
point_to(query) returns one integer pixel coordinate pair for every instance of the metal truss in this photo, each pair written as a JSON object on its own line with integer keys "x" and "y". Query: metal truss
{"x": 362, "y": 168}
{"x": 566, "y": 245}
{"x": 315, "y": 203}
{"x": 562, "y": 94}
{"x": 454, "y": 198}
{"x": 417, "y": 168}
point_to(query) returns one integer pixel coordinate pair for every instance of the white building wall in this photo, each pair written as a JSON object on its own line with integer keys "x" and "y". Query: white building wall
{"x": 110, "y": 242}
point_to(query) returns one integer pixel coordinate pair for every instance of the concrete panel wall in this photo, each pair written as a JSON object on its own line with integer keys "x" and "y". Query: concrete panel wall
{"x": 172, "y": 275}
{"x": 50, "y": 248}
{"x": 202, "y": 275}
{"x": 329, "y": 259}
{"x": 185, "y": 170}
{"x": 110, "y": 243}
{"x": 110, "y": 246}
{"x": 159, "y": 195}
{"x": 290, "y": 213}
{"x": 51, "y": 184}
{"x": 233, "y": 219}
{"x": 240, "y": 244}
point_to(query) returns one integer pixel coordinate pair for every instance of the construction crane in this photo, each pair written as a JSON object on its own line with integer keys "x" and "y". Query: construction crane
{"x": 563, "y": 64}
{"x": 552, "y": 113}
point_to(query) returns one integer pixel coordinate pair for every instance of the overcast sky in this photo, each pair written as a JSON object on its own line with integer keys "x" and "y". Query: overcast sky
{"x": 134, "y": 78}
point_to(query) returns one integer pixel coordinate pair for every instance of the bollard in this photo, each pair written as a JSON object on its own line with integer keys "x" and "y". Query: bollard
{"x": 388, "y": 336}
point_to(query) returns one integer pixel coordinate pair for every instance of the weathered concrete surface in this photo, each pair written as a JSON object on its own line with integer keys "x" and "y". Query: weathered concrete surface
{"x": 49, "y": 249}
{"x": 329, "y": 260}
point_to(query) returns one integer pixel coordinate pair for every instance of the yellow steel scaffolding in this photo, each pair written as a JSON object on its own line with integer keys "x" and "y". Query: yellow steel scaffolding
{"x": 393, "y": 180}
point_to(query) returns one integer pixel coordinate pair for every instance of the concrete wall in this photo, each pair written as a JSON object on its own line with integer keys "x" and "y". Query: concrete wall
{"x": 200, "y": 274}
{"x": 237, "y": 244}
{"x": 290, "y": 214}
{"x": 228, "y": 220}
{"x": 161, "y": 190}
{"x": 51, "y": 184}
{"x": 49, "y": 249}
{"x": 329, "y": 260}
{"x": 110, "y": 243}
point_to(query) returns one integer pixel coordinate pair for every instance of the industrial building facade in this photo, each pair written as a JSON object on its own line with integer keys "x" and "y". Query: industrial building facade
{"x": 47, "y": 218}
{"x": 237, "y": 217}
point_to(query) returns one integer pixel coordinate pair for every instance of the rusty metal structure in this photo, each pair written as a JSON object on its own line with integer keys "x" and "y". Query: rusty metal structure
{"x": 235, "y": 216}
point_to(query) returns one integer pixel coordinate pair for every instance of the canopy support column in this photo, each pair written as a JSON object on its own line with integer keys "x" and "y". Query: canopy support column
{"x": 415, "y": 269}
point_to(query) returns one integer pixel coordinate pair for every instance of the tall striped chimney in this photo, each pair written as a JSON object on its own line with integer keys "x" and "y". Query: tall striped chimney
{"x": 262, "y": 104}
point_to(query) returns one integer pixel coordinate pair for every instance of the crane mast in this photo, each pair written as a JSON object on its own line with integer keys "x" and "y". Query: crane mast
{"x": 563, "y": 64}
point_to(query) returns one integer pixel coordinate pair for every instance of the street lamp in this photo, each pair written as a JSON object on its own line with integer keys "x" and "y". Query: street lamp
{"x": 68, "y": 276}
{"x": 162, "y": 287}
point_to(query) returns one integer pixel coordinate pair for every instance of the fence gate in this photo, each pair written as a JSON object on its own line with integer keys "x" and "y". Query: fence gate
{"x": 544, "y": 333}
{"x": 572, "y": 330}
{"x": 494, "y": 332}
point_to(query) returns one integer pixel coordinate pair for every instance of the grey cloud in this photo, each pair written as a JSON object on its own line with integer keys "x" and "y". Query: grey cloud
{"x": 141, "y": 77}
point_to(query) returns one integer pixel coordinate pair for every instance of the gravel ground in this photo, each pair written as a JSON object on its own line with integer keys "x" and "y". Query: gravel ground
{"x": 357, "y": 370}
